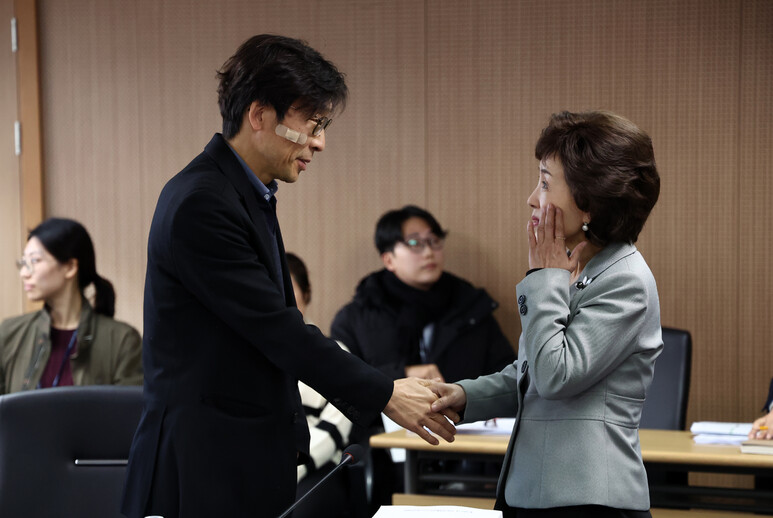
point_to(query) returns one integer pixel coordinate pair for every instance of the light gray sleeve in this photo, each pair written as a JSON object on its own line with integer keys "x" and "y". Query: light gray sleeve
{"x": 494, "y": 395}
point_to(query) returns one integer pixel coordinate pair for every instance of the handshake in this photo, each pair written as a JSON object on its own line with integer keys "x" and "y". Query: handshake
{"x": 419, "y": 405}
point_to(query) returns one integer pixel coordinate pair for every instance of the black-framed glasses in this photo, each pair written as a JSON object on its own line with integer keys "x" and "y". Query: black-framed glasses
{"x": 321, "y": 124}
{"x": 417, "y": 244}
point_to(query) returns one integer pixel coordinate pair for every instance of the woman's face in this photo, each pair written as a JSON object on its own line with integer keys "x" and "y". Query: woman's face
{"x": 42, "y": 275}
{"x": 552, "y": 188}
{"x": 419, "y": 269}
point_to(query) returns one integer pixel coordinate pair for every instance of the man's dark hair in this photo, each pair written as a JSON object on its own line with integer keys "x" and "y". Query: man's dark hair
{"x": 609, "y": 166}
{"x": 279, "y": 72}
{"x": 389, "y": 229}
{"x": 300, "y": 274}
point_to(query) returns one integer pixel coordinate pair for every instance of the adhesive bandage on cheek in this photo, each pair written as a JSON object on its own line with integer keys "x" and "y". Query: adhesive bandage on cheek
{"x": 291, "y": 135}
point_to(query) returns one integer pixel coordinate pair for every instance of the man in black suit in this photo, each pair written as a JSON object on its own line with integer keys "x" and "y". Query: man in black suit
{"x": 224, "y": 345}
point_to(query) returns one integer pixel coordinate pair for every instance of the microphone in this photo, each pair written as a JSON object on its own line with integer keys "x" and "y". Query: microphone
{"x": 352, "y": 455}
{"x": 293, "y": 136}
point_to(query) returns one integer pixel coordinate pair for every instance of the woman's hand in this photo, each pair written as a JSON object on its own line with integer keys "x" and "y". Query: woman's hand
{"x": 451, "y": 399}
{"x": 762, "y": 428}
{"x": 547, "y": 243}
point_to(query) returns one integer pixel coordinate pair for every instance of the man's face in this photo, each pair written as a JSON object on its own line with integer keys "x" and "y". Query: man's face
{"x": 420, "y": 267}
{"x": 279, "y": 158}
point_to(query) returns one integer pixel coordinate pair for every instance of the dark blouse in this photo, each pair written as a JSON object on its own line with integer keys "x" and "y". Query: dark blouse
{"x": 60, "y": 340}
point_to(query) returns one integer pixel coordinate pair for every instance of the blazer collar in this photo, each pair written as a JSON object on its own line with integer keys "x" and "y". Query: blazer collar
{"x": 219, "y": 150}
{"x": 608, "y": 256}
{"x": 86, "y": 326}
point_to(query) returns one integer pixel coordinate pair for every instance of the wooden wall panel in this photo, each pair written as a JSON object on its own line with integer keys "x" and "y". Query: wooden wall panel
{"x": 10, "y": 199}
{"x": 375, "y": 156}
{"x": 693, "y": 235}
{"x": 138, "y": 100}
{"x": 496, "y": 71}
{"x": 447, "y": 102}
{"x": 755, "y": 223}
{"x": 28, "y": 93}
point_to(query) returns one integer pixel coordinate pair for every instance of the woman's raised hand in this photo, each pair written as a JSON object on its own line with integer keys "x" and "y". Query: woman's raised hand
{"x": 547, "y": 242}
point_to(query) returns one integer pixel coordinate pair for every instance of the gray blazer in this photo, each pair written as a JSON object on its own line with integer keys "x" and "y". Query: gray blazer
{"x": 585, "y": 360}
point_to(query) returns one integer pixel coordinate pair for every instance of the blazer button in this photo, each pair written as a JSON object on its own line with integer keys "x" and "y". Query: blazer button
{"x": 295, "y": 417}
{"x": 524, "y": 366}
{"x": 522, "y": 299}
{"x": 523, "y": 310}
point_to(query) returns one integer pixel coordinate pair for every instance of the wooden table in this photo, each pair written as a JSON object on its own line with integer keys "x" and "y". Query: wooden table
{"x": 662, "y": 451}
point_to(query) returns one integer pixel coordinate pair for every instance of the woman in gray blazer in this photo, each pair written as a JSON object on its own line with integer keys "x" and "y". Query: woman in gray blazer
{"x": 591, "y": 329}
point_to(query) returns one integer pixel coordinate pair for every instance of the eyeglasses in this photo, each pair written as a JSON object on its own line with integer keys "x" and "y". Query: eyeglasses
{"x": 321, "y": 124}
{"x": 28, "y": 263}
{"x": 417, "y": 244}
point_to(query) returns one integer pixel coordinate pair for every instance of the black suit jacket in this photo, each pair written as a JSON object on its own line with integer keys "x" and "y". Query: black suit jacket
{"x": 222, "y": 426}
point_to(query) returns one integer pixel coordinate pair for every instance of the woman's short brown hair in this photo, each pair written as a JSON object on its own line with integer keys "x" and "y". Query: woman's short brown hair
{"x": 609, "y": 166}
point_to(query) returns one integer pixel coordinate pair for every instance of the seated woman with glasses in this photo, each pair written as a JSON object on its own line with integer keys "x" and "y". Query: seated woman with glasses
{"x": 414, "y": 319}
{"x": 68, "y": 342}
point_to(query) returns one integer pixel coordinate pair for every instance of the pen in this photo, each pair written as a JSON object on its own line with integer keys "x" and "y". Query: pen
{"x": 763, "y": 427}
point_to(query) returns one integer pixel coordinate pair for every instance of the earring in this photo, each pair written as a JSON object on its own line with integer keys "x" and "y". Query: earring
{"x": 584, "y": 226}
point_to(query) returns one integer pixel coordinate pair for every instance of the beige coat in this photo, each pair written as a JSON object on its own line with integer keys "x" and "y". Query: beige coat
{"x": 108, "y": 352}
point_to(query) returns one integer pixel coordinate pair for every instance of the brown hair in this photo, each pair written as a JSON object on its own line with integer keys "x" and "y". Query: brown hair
{"x": 609, "y": 166}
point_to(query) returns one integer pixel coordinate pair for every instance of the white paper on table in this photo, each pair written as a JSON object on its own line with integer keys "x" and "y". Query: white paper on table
{"x": 498, "y": 426}
{"x": 720, "y": 428}
{"x": 716, "y": 438}
{"x": 434, "y": 511}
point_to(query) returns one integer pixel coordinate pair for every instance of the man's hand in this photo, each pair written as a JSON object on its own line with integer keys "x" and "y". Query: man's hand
{"x": 409, "y": 407}
{"x": 427, "y": 371}
{"x": 762, "y": 428}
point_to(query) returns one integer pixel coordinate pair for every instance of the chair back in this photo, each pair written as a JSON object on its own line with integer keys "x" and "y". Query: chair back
{"x": 666, "y": 405}
{"x": 63, "y": 451}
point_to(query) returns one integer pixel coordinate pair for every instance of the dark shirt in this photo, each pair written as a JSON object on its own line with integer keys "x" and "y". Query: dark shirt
{"x": 60, "y": 339}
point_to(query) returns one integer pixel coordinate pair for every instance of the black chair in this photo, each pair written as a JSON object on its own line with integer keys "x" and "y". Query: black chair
{"x": 63, "y": 451}
{"x": 666, "y": 405}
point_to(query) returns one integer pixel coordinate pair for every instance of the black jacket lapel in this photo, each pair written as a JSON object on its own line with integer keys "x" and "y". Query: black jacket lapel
{"x": 222, "y": 154}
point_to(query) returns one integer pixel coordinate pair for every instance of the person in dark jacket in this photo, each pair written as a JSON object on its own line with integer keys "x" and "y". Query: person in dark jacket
{"x": 222, "y": 427}
{"x": 414, "y": 319}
